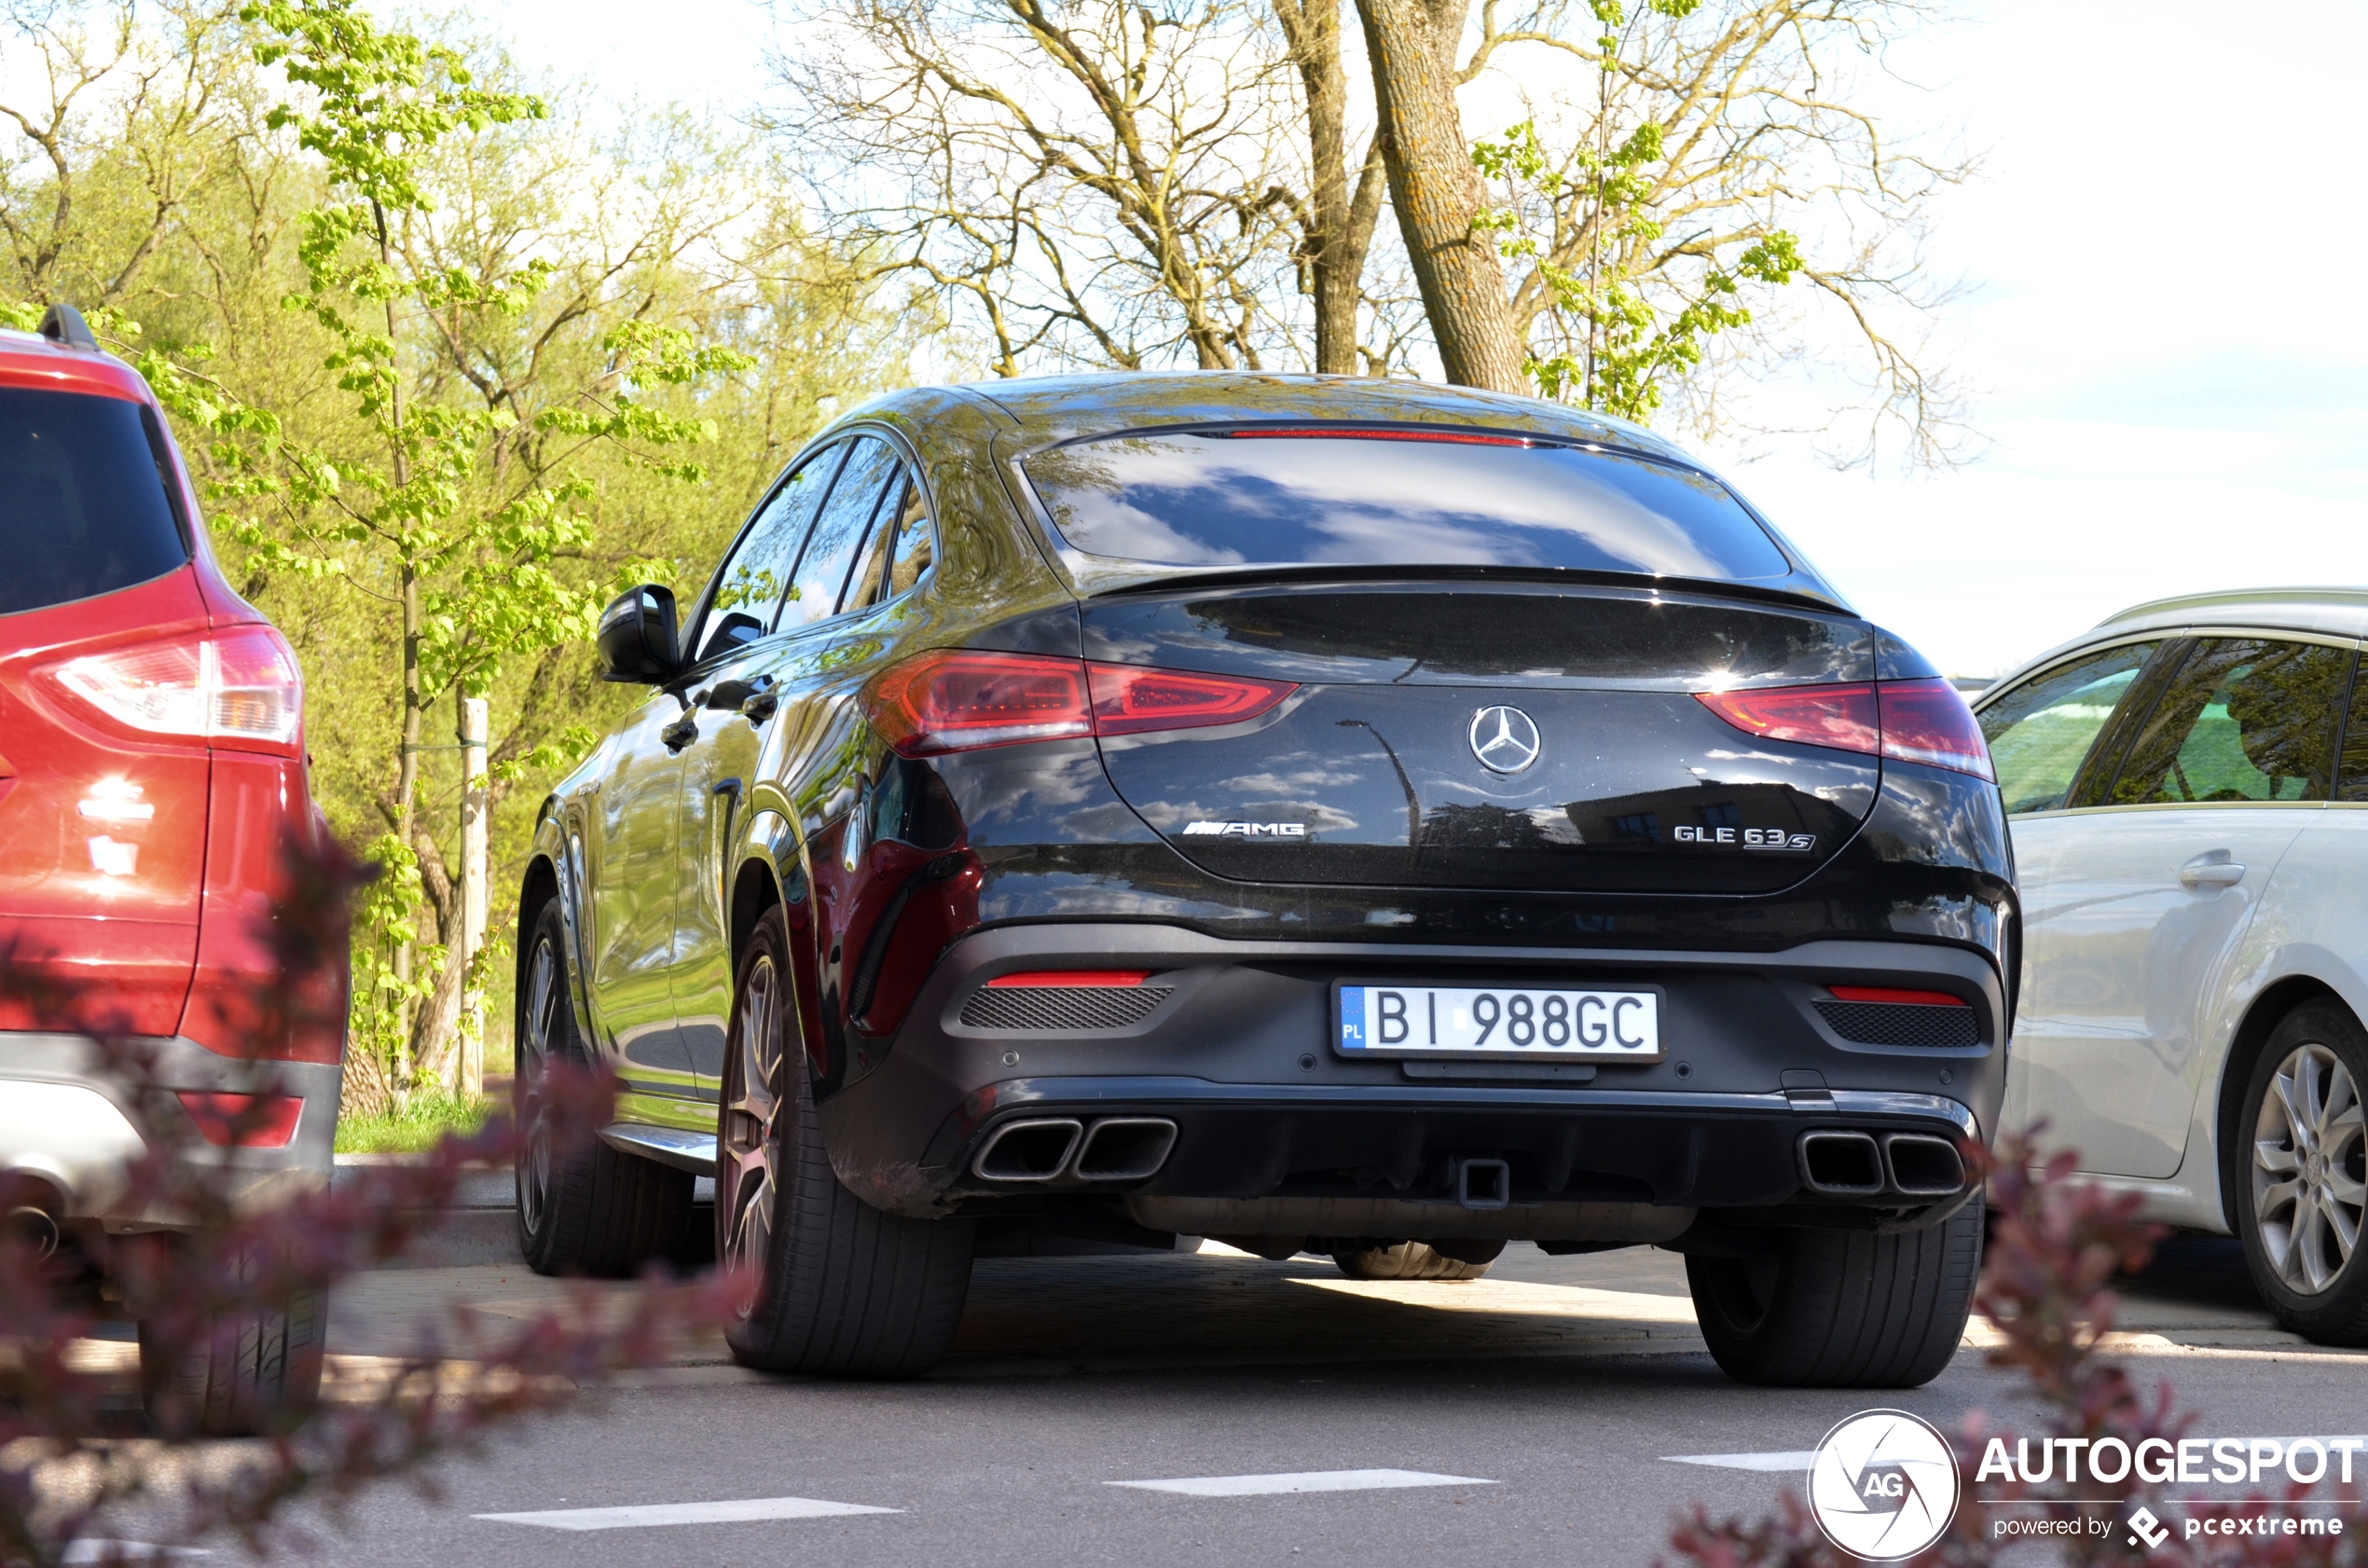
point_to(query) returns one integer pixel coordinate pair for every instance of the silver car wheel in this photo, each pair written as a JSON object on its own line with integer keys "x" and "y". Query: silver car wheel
{"x": 537, "y": 1158}
{"x": 2310, "y": 1169}
{"x": 745, "y": 1163}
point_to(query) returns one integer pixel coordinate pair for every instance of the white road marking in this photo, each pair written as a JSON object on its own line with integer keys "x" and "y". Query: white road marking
{"x": 1790, "y": 1459}
{"x": 98, "y": 1549}
{"x": 643, "y": 1515}
{"x": 1302, "y": 1481}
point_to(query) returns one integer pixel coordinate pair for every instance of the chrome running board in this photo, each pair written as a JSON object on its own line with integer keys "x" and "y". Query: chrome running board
{"x": 694, "y": 1152}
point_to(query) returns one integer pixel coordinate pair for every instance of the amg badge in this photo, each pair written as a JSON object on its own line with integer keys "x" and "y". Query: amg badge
{"x": 1245, "y": 830}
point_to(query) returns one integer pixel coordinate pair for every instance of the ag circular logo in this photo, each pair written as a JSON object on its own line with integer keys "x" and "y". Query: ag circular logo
{"x": 1884, "y": 1485}
{"x": 1505, "y": 739}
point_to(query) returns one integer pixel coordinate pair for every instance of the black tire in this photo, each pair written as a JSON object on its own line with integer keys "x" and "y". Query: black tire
{"x": 582, "y": 1207}
{"x": 259, "y": 1378}
{"x": 1842, "y": 1309}
{"x": 2308, "y": 1278}
{"x": 838, "y": 1286}
{"x": 1418, "y": 1261}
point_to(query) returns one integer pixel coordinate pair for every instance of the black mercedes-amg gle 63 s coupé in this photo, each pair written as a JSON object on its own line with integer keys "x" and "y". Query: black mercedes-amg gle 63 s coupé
{"x": 1364, "y": 817}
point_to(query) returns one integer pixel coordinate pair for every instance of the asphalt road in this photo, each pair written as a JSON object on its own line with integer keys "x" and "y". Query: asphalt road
{"x": 1539, "y": 1412}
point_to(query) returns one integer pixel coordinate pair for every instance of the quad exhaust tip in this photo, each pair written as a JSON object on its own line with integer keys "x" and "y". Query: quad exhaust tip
{"x": 1924, "y": 1166}
{"x": 1124, "y": 1148}
{"x": 1036, "y": 1150}
{"x": 1046, "y": 1148}
{"x": 1841, "y": 1164}
{"x": 1847, "y": 1164}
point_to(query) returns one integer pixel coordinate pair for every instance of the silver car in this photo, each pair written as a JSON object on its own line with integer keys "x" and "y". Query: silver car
{"x": 2187, "y": 790}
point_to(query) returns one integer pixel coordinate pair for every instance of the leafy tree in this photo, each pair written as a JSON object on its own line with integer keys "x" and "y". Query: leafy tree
{"x": 572, "y": 300}
{"x": 1619, "y": 339}
{"x": 1650, "y": 222}
{"x": 415, "y": 516}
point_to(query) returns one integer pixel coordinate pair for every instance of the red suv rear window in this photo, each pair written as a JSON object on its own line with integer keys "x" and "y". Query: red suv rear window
{"x": 83, "y": 505}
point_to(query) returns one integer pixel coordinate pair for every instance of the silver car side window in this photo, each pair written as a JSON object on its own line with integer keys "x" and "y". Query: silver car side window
{"x": 2043, "y": 731}
{"x": 2245, "y": 719}
{"x": 2352, "y": 785}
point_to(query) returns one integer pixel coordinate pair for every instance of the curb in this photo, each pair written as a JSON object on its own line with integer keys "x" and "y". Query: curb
{"x": 481, "y": 1228}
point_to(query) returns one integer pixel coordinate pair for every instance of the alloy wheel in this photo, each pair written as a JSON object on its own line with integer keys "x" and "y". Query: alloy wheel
{"x": 537, "y": 1158}
{"x": 2310, "y": 1169}
{"x": 747, "y": 1176}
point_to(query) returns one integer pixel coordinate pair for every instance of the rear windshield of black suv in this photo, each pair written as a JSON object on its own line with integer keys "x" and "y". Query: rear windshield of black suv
{"x": 1261, "y": 497}
{"x": 83, "y": 510}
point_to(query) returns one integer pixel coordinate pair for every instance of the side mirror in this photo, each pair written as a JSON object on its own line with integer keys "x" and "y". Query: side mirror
{"x": 637, "y": 636}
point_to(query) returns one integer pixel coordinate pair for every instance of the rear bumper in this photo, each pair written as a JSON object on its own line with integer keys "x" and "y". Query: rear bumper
{"x": 1238, "y": 1057}
{"x": 69, "y": 1118}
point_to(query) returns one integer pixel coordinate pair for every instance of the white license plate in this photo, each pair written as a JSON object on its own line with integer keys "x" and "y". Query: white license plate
{"x": 1498, "y": 1021}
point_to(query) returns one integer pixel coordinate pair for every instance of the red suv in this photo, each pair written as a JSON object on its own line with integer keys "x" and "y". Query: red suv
{"x": 152, "y": 770}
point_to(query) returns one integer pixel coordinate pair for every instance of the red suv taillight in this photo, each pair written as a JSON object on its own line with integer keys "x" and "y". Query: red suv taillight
{"x": 236, "y": 687}
{"x": 957, "y": 700}
{"x": 1914, "y": 720}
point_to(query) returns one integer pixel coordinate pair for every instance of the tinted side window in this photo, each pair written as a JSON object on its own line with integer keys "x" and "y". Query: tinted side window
{"x": 83, "y": 509}
{"x": 902, "y": 546}
{"x": 838, "y": 533}
{"x": 2042, "y": 730}
{"x": 915, "y": 549}
{"x": 2243, "y": 719}
{"x": 756, "y": 574}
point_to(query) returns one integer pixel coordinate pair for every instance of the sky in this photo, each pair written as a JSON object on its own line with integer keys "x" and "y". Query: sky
{"x": 2169, "y": 376}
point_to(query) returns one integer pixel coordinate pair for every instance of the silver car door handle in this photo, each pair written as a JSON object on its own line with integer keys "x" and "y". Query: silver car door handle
{"x": 2210, "y": 873}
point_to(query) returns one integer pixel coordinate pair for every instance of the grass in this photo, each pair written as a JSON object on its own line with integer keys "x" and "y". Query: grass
{"x": 415, "y": 1128}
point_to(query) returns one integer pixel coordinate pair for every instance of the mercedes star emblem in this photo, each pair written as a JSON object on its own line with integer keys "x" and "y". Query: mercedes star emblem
{"x": 1505, "y": 739}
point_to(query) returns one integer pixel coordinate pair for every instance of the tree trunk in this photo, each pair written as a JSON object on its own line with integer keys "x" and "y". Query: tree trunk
{"x": 1438, "y": 192}
{"x": 436, "y": 1036}
{"x": 406, "y": 782}
{"x": 1339, "y": 223}
{"x": 363, "y": 1090}
{"x": 435, "y": 1023}
{"x": 475, "y": 887}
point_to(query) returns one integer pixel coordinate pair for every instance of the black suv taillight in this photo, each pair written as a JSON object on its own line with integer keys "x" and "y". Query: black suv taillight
{"x": 961, "y": 700}
{"x": 1913, "y": 720}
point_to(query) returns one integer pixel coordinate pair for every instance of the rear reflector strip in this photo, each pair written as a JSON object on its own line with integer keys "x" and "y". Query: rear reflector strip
{"x": 1062, "y": 1008}
{"x": 244, "y": 1120}
{"x": 1890, "y": 994}
{"x": 1909, "y": 1027}
{"x": 1041, "y": 978}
